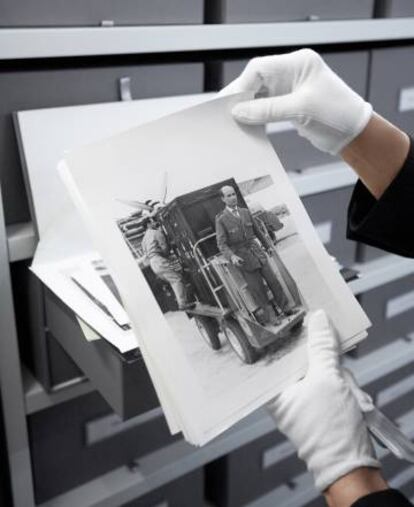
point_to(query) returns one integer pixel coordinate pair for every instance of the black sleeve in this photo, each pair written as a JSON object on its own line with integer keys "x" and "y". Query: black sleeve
{"x": 387, "y": 498}
{"x": 386, "y": 223}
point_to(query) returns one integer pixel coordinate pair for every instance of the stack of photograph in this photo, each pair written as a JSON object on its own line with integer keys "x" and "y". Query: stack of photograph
{"x": 205, "y": 257}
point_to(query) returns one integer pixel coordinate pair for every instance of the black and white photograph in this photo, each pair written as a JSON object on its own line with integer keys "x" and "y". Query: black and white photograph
{"x": 215, "y": 259}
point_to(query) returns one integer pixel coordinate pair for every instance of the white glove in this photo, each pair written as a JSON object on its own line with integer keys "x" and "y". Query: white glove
{"x": 321, "y": 415}
{"x": 301, "y": 88}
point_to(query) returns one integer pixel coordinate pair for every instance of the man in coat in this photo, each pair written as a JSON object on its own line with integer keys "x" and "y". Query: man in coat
{"x": 237, "y": 235}
{"x": 155, "y": 247}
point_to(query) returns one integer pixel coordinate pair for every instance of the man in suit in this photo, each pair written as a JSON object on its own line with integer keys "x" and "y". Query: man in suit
{"x": 237, "y": 235}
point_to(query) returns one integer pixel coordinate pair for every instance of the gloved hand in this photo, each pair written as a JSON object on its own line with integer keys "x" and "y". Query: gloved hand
{"x": 321, "y": 414}
{"x": 301, "y": 88}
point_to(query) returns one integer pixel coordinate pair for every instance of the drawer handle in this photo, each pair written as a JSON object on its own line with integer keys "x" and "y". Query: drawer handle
{"x": 399, "y": 304}
{"x": 125, "y": 88}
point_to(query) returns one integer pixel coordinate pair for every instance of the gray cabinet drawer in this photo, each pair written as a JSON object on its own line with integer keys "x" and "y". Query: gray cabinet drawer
{"x": 245, "y": 11}
{"x": 327, "y": 211}
{"x": 395, "y": 8}
{"x": 252, "y": 471}
{"x": 188, "y": 491}
{"x": 391, "y": 86}
{"x": 94, "y": 12}
{"x": 65, "y": 456}
{"x": 391, "y": 311}
{"x": 366, "y": 253}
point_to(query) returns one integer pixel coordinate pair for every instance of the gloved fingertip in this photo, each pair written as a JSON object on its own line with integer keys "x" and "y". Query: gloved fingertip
{"x": 242, "y": 113}
{"x": 239, "y": 111}
{"x": 318, "y": 321}
{"x": 322, "y": 341}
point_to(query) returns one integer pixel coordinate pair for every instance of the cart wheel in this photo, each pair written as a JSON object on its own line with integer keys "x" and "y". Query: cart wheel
{"x": 238, "y": 341}
{"x": 297, "y": 327}
{"x": 209, "y": 330}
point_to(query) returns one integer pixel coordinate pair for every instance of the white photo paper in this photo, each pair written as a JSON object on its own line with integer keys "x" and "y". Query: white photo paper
{"x": 185, "y": 212}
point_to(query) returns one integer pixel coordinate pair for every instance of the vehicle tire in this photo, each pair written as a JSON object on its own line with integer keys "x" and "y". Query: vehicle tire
{"x": 239, "y": 342}
{"x": 297, "y": 327}
{"x": 209, "y": 330}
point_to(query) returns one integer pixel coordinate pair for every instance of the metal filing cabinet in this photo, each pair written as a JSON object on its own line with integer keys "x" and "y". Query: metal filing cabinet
{"x": 74, "y": 442}
{"x": 38, "y": 85}
{"x": 251, "y": 471}
{"x": 295, "y": 152}
{"x": 98, "y": 12}
{"x": 327, "y": 211}
{"x": 394, "y": 8}
{"x": 243, "y": 11}
{"x": 390, "y": 308}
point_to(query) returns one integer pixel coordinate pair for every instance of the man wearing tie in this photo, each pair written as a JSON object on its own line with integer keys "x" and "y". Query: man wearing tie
{"x": 237, "y": 235}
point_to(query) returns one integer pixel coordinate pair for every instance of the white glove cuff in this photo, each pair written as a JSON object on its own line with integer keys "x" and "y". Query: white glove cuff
{"x": 364, "y": 117}
{"x": 332, "y": 473}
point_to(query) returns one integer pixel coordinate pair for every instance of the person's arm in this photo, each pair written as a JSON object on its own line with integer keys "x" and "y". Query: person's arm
{"x": 259, "y": 233}
{"x": 377, "y": 154}
{"x": 354, "y": 486}
{"x": 385, "y": 222}
{"x": 221, "y": 237}
{"x": 321, "y": 415}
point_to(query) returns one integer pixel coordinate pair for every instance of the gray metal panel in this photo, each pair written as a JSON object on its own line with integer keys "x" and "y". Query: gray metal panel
{"x": 395, "y": 8}
{"x": 62, "y": 456}
{"x": 33, "y": 87}
{"x": 93, "y": 12}
{"x": 391, "y": 73}
{"x": 381, "y": 271}
{"x": 330, "y": 208}
{"x": 242, "y": 11}
{"x": 187, "y": 491}
{"x": 384, "y": 330}
{"x": 29, "y": 43}
{"x": 11, "y": 386}
{"x": 366, "y": 253}
{"x": 107, "y": 426}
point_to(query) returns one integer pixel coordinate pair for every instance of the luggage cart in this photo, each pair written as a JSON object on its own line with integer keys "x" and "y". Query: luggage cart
{"x": 223, "y": 303}
{"x": 236, "y": 321}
